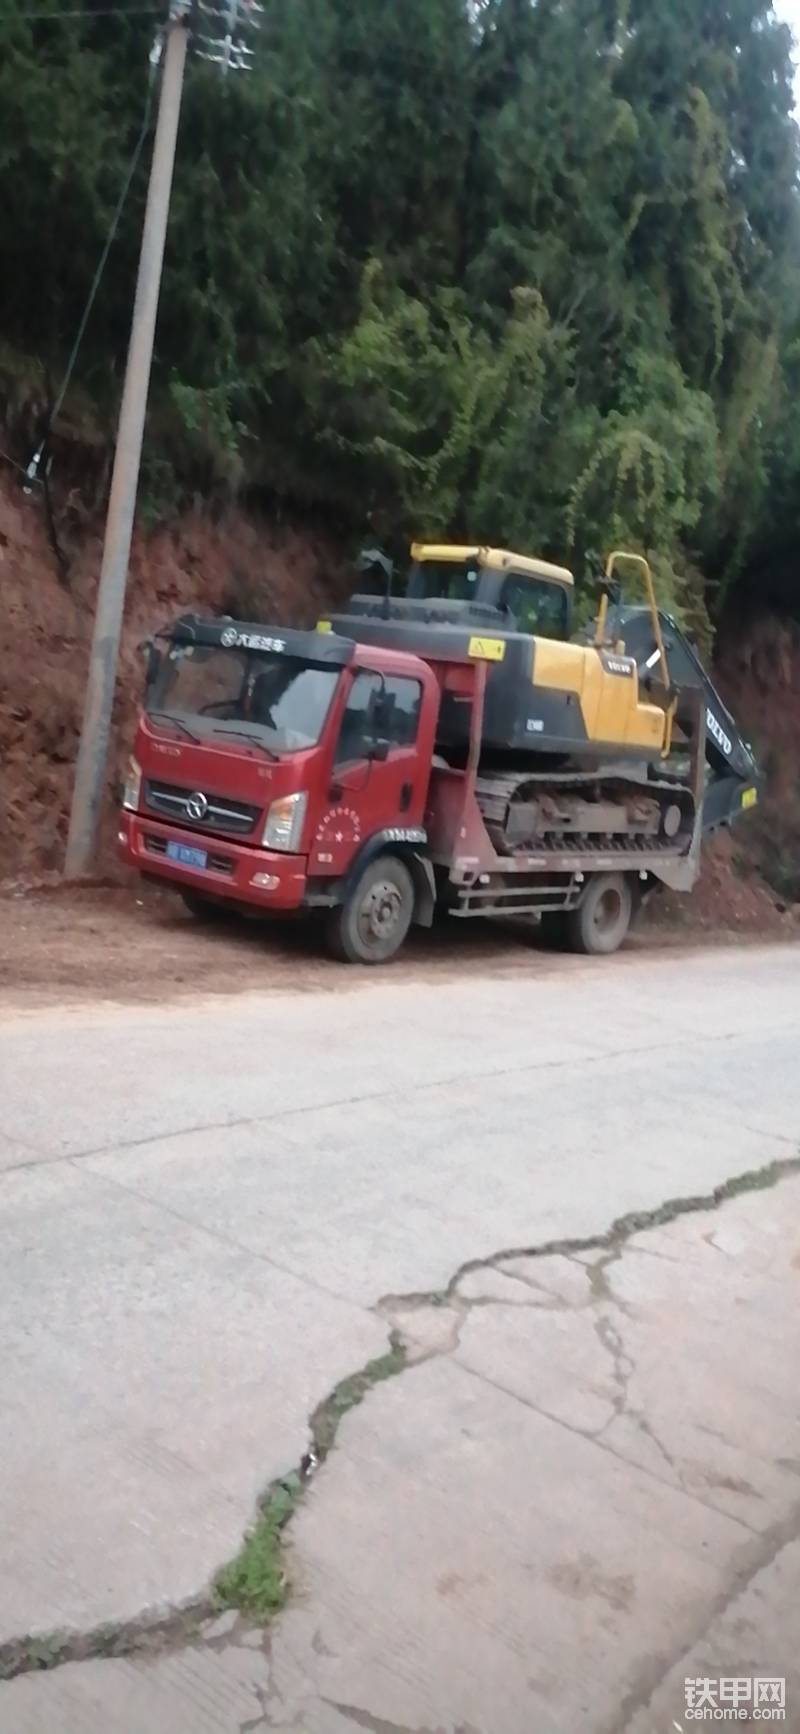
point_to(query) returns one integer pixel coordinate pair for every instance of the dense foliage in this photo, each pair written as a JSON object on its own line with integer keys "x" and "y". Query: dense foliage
{"x": 519, "y": 270}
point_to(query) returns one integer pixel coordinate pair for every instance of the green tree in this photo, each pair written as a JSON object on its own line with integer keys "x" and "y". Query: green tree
{"x": 525, "y": 270}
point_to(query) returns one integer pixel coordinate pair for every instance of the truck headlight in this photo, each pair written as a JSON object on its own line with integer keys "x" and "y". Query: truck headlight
{"x": 285, "y": 821}
{"x": 133, "y": 786}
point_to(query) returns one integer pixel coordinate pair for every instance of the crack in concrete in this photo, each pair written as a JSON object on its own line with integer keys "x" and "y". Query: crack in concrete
{"x": 623, "y": 1363}
{"x": 264, "y": 1694}
{"x": 596, "y": 1436}
{"x": 622, "y": 1229}
{"x": 548, "y": 1303}
{"x": 378, "y": 1725}
{"x": 753, "y": 1557}
{"x": 621, "y": 1367}
{"x": 599, "y": 1283}
{"x": 182, "y": 1626}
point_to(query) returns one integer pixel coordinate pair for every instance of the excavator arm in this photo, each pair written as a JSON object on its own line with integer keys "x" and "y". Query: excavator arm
{"x": 733, "y": 779}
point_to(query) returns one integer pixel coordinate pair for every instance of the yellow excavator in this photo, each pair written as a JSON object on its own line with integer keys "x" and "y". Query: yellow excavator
{"x": 585, "y": 738}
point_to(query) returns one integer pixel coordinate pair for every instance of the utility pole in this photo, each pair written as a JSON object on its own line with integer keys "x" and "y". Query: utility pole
{"x": 90, "y": 770}
{"x": 232, "y": 53}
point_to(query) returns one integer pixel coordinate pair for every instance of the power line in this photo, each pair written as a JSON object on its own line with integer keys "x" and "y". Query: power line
{"x": 32, "y": 472}
{"x": 13, "y": 462}
{"x": 125, "y": 189}
{"x": 85, "y": 12}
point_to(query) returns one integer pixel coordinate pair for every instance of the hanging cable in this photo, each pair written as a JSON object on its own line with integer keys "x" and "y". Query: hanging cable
{"x": 32, "y": 472}
{"x": 7, "y": 458}
{"x": 85, "y": 13}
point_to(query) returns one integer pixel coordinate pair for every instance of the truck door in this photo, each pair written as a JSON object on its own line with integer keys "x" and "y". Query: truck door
{"x": 376, "y": 779}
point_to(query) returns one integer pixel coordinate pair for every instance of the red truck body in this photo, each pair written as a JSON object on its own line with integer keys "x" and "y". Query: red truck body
{"x": 203, "y": 811}
{"x": 348, "y": 807}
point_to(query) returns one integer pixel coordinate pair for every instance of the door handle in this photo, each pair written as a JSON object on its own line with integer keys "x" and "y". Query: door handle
{"x": 335, "y": 792}
{"x": 406, "y": 792}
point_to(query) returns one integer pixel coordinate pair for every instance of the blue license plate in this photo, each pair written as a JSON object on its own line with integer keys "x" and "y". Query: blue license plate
{"x": 186, "y": 856}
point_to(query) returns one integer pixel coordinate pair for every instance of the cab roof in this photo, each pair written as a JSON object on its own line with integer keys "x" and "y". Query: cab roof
{"x": 391, "y": 659}
{"x": 497, "y": 559}
{"x": 229, "y": 634}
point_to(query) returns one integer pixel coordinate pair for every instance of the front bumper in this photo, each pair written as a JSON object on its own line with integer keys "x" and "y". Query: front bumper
{"x": 232, "y": 872}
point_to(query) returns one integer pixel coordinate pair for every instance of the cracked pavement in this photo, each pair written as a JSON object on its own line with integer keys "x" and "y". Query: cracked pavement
{"x": 585, "y": 1482}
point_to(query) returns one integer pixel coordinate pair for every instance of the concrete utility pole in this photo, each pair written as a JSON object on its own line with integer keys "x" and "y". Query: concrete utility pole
{"x": 90, "y": 770}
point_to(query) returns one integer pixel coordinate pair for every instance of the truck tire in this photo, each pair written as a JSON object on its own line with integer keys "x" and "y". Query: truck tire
{"x": 599, "y": 924}
{"x": 372, "y": 922}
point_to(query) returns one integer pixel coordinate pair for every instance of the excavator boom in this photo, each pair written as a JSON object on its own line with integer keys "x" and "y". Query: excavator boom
{"x": 733, "y": 779}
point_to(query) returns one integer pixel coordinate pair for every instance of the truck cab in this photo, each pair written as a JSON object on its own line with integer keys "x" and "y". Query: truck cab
{"x": 270, "y": 765}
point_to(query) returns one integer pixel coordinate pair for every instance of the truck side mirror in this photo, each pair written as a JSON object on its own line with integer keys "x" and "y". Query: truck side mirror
{"x": 379, "y": 751}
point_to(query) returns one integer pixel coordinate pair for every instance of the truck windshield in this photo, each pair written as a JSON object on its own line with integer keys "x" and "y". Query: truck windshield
{"x": 279, "y": 699}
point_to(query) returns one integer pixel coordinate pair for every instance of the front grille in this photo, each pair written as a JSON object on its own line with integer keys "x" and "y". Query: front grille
{"x": 170, "y": 802}
{"x": 215, "y": 863}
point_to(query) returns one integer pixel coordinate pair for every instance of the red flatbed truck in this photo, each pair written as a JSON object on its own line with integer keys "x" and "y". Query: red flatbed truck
{"x": 275, "y": 770}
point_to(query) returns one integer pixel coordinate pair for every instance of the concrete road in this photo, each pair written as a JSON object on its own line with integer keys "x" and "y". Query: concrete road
{"x": 211, "y": 1213}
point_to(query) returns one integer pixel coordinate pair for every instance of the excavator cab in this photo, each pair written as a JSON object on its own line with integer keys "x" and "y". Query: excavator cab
{"x": 531, "y": 596}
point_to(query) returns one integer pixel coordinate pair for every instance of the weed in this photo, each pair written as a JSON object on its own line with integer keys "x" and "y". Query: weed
{"x": 350, "y": 1392}
{"x": 255, "y": 1580}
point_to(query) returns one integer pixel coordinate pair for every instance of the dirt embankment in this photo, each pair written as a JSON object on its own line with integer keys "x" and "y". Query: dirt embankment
{"x": 750, "y": 879}
{"x": 758, "y": 666}
{"x": 249, "y": 567}
{"x": 239, "y": 565}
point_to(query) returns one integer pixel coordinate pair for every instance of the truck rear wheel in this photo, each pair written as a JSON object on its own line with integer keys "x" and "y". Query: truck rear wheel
{"x": 599, "y": 924}
{"x": 372, "y": 922}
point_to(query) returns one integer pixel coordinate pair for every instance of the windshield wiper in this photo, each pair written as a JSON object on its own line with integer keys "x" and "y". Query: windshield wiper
{"x": 246, "y": 735}
{"x": 167, "y": 716}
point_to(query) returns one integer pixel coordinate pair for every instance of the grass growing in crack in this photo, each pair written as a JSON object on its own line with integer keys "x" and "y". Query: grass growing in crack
{"x": 45, "y": 1652}
{"x": 350, "y": 1392}
{"x": 255, "y": 1580}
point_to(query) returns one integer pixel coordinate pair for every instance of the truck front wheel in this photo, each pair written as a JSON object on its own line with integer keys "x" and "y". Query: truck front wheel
{"x": 372, "y": 922}
{"x": 603, "y": 916}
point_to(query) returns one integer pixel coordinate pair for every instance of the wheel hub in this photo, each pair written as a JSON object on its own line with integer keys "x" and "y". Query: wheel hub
{"x": 608, "y": 910}
{"x": 381, "y": 910}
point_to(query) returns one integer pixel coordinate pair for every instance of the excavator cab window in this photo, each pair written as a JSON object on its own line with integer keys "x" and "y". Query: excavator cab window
{"x": 538, "y": 606}
{"x": 450, "y": 580}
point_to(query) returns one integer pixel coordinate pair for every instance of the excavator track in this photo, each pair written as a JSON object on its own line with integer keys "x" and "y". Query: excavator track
{"x": 582, "y": 810}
